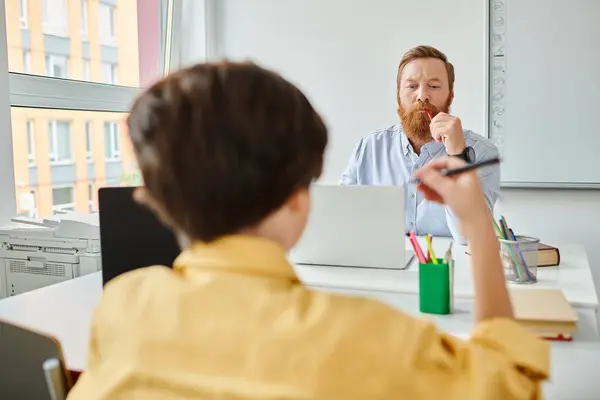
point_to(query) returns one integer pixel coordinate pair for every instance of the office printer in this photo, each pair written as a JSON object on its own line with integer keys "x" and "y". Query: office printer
{"x": 40, "y": 252}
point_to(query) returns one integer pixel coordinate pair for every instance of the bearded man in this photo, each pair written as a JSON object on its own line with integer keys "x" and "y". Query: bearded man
{"x": 390, "y": 156}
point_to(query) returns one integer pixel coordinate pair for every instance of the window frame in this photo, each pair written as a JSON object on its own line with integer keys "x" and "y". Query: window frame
{"x": 67, "y": 206}
{"x": 30, "y": 127}
{"x": 50, "y": 60}
{"x": 34, "y": 91}
{"x": 84, "y": 19}
{"x": 49, "y": 27}
{"x": 85, "y": 70}
{"x": 24, "y": 14}
{"x": 89, "y": 141}
{"x": 27, "y": 61}
{"x": 91, "y": 201}
{"x": 53, "y": 140}
{"x": 111, "y": 38}
{"x": 114, "y": 141}
{"x": 109, "y": 73}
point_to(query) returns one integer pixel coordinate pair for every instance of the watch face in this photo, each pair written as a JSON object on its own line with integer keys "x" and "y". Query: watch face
{"x": 470, "y": 154}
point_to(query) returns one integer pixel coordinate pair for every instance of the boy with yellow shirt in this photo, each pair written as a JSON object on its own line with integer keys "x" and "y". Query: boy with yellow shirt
{"x": 228, "y": 152}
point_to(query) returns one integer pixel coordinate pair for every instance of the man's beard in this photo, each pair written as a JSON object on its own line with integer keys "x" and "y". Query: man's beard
{"x": 415, "y": 122}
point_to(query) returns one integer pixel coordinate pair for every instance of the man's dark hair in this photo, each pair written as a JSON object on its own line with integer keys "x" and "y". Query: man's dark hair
{"x": 222, "y": 145}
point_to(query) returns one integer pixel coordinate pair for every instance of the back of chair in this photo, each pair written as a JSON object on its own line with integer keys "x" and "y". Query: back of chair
{"x": 23, "y": 355}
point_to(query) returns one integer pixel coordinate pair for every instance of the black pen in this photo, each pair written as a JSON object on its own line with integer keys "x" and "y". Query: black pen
{"x": 470, "y": 167}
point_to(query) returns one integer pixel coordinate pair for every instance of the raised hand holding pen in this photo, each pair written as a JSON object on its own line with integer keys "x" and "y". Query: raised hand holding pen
{"x": 461, "y": 192}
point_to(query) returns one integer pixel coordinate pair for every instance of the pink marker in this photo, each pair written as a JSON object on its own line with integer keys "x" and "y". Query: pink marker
{"x": 418, "y": 252}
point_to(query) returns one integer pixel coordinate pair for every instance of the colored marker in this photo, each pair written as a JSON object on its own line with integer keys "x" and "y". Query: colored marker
{"x": 430, "y": 249}
{"x": 415, "y": 244}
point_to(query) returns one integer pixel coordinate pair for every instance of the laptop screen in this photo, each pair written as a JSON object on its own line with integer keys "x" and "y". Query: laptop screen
{"x": 131, "y": 236}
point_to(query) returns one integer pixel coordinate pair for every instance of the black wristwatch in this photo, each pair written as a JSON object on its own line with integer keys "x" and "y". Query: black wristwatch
{"x": 468, "y": 154}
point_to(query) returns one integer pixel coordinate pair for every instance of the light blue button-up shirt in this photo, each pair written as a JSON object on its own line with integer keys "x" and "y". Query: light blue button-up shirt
{"x": 386, "y": 157}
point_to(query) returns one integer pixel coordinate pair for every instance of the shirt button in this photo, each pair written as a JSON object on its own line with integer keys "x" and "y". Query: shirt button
{"x": 411, "y": 224}
{"x": 412, "y": 196}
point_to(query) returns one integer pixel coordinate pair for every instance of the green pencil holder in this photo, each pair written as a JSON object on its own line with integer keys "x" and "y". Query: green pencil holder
{"x": 435, "y": 288}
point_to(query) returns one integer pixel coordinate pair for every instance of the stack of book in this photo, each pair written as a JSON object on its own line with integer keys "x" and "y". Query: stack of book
{"x": 545, "y": 311}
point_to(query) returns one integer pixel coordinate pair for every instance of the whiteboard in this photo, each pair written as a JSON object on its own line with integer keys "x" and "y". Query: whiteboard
{"x": 544, "y": 91}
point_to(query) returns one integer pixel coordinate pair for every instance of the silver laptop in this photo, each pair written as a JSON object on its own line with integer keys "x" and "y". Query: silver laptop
{"x": 354, "y": 226}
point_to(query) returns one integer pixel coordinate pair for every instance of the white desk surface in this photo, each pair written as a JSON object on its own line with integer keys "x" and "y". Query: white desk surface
{"x": 64, "y": 311}
{"x": 573, "y": 276}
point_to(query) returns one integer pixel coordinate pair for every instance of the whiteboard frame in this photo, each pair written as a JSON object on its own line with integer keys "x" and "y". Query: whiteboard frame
{"x": 487, "y": 118}
{"x": 487, "y": 49}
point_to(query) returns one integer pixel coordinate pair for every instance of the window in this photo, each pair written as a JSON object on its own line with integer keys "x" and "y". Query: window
{"x": 111, "y": 141}
{"x": 109, "y": 73}
{"x": 107, "y": 24}
{"x": 28, "y": 204}
{"x": 63, "y": 198}
{"x": 91, "y": 198}
{"x": 30, "y": 143}
{"x": 85, "y": 67}
{"x": 88, "y": 141}
{"x": 60, "y": 142}
{"x": 139, "y": 66}
{"x": 84, "y": 19}
{"x": 27, "y": 62}
{"x": 54, "y": 14}
{"x": 24, "y": 14}
{"x": 56, "y": 66}
{"x": 60, "y": 94}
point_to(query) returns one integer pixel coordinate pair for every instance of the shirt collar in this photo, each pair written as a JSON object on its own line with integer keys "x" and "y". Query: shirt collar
{"x": 244, "y": 254}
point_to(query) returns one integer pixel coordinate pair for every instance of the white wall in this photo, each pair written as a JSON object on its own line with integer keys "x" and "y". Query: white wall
{"x": 345, "y": 55}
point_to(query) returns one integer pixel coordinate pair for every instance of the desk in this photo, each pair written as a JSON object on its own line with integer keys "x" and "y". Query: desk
{"x": 573, "y": 277}
{"x": 64, "y": 311}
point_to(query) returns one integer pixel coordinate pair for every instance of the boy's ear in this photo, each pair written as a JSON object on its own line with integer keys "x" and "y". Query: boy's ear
{"x": 297, "y": 199}
{"x": 140, "y": 196}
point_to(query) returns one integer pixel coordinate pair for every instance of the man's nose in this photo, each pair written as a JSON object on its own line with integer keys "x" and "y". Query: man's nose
{"x": 423, "y": 94}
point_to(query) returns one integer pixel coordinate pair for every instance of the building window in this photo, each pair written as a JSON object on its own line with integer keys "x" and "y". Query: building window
{"x": 109, "y": 73}
{"x": 91, "y": 199}
{"x": 56, "y": 66}
{"x": 27, "y": 62}
{"x": 85, "y": 66}
{"x": 60, "y": 142}
{"x": 107, "y": 24}
{"x": 63, "y": 198}
{"x": 30, "y": 143}
{"x": 112, "y": 141}
{"x": 28, "y": 204}
{"x": 88, "y": 140}
{"x": 54, "y": 15}
{"x": 24, "y": 14}
{"x": 84, "y": 19}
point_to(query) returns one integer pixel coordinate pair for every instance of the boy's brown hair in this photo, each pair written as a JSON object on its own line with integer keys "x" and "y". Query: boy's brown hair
{"x": 222, "y": 145}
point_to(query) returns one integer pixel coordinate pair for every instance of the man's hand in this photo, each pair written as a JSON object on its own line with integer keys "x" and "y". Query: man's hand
{"x": 448, "y": 129}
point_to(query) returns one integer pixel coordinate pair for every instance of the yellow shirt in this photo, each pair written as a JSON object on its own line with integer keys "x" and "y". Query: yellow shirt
{"x": 232, "y": 321}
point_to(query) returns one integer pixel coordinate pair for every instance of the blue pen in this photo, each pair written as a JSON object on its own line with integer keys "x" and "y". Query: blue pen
{"x": 514, "y": 238}
{"x": 518, "y": 265}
